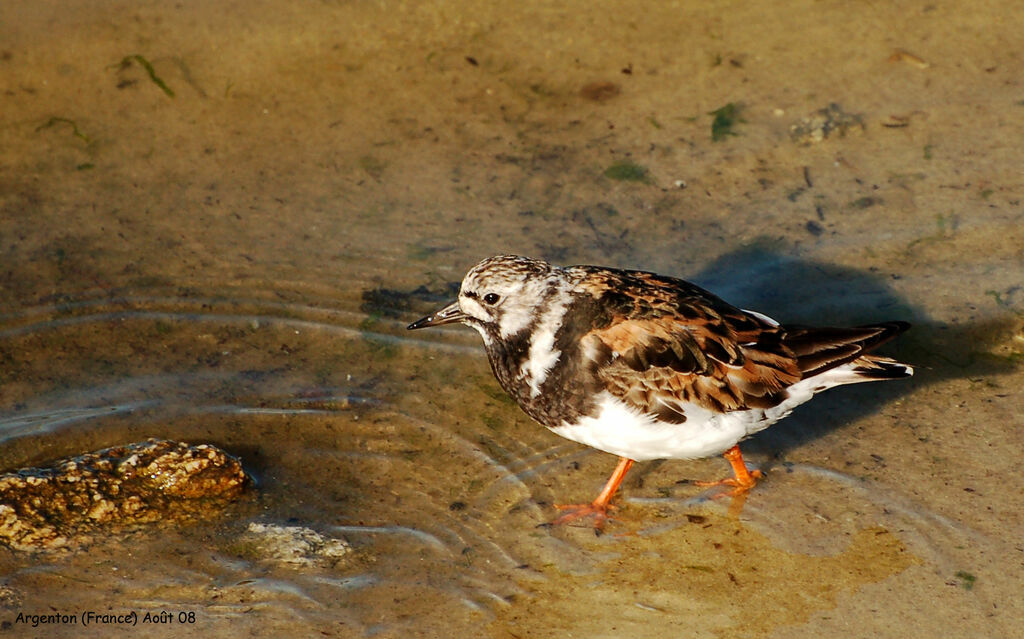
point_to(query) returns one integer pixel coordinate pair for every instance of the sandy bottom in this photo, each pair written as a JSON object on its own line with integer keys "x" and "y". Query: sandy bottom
{"x": 216, "y": 219}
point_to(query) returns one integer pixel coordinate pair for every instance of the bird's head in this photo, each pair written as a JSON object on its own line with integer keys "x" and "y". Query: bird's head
{"x": 499, "y": 297}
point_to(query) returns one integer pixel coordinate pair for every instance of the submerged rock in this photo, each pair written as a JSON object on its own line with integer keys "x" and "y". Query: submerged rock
{"x": 151, "y": 481}
{"x": 290, "y": 545}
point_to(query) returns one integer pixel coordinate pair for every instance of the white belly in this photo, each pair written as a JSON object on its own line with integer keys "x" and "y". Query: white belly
{"x": 624, "y": 431}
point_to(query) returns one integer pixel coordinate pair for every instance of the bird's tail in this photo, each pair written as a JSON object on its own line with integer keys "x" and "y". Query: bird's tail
{"x": 819, "y": 350}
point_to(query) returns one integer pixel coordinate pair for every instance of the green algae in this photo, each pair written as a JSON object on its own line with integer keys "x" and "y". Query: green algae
{"x": 148, "y": 66}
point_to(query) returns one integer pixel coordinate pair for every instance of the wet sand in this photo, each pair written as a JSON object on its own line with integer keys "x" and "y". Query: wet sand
{"x": 216, "y": 221}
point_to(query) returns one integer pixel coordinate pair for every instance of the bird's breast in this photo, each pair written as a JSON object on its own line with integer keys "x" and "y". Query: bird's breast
{"x": 545, "y": 368}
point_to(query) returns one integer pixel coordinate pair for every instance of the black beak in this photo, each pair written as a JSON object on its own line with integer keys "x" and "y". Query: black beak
{"x": 447, "y": 315}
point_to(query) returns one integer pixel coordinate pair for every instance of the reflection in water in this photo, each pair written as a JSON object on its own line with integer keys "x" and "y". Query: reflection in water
{"x": 26, "y": 424}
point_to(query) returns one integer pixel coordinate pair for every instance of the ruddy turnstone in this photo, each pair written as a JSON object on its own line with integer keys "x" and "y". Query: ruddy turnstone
{"x": 645, "y": 366}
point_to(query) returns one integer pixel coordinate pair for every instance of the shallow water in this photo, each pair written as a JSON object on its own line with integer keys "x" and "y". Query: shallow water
{"x": 235, "y": 264}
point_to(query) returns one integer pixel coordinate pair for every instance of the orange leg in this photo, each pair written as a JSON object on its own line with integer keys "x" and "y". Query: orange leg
{"x": 743, "y": 479}
{"x": 599, "y": 507}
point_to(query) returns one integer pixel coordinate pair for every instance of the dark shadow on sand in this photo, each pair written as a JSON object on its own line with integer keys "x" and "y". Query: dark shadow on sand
{"x": 798, "y": 291}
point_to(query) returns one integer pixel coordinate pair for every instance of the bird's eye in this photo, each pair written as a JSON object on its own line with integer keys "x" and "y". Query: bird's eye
{"x": 492, "y": 298}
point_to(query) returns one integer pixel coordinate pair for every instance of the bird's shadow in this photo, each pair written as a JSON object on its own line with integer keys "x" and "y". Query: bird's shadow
{"x": 800, "y": 291}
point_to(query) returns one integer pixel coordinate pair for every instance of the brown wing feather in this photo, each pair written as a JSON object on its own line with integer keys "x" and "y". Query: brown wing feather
{"x": 667, "y": 343}
{"x": 657, "y": 363}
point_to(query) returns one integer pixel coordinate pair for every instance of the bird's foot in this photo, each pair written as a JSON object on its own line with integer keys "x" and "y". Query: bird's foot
{"x": 740, "y": 486}
{"x": 741, "y": 481}
{"x": 598, "y": 510}
{"x": 600, "y": 507}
